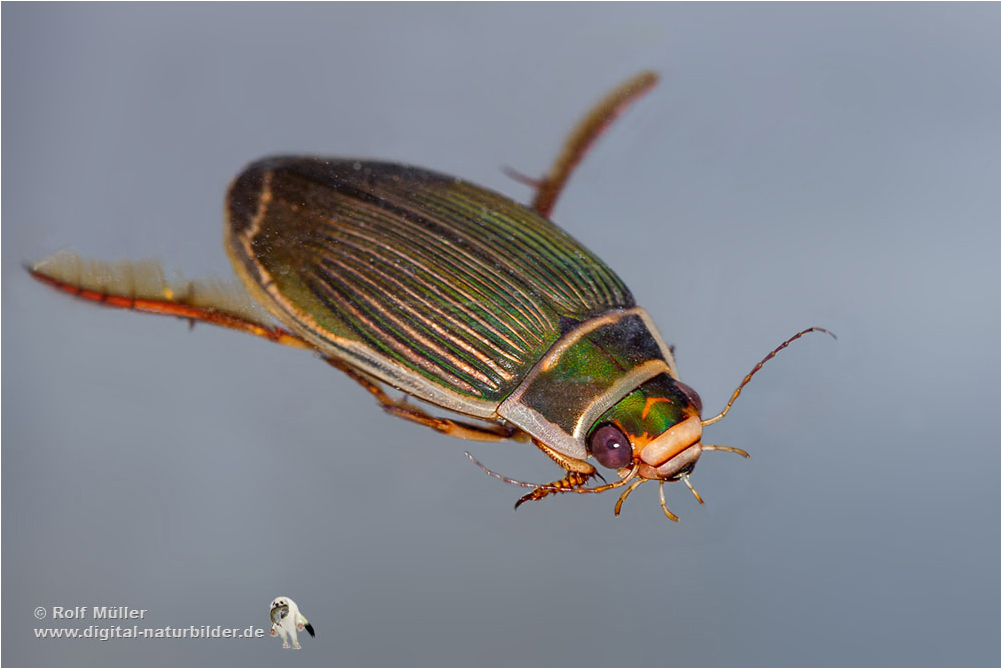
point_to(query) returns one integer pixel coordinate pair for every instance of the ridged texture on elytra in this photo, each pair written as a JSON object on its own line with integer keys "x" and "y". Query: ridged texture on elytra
{"x": 457, "y": 283}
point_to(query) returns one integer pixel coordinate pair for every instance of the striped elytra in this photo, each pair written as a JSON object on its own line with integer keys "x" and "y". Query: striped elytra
{"x": 462, "y": 285}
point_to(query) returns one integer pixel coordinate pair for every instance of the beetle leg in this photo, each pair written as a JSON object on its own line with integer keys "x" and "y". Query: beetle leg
{"x": 567, "y": 462}
{"x": 140, "y": 287}
{"x": 584, "y": 134}
{"x": 452, "y": 428}
{"x": 570, "y": 482}
{"x": 512, "y": 173}
{"x": 401, "y": 409}
{"x": 579, "y": 472}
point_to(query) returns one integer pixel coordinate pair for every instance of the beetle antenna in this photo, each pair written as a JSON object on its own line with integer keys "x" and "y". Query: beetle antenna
{"x": 766, "y": 359}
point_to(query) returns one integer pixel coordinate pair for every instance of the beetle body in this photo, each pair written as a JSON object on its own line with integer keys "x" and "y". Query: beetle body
{"x": 455, "y": 295}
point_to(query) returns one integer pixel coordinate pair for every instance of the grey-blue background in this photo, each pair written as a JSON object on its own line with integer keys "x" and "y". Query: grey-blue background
{"x": 833, "y": 165}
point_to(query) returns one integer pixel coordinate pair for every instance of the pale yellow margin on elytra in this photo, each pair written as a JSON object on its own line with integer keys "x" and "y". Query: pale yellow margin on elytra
{"x": 354, "y": 353}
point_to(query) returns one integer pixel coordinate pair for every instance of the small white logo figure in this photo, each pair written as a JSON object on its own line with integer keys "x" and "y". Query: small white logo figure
{"x": 286, "y": 619}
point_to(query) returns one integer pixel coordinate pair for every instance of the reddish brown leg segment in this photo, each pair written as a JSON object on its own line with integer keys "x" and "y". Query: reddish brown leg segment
{"x": 400, "y": 409}
{"x": 584, "y": 134}
{"x": 579, "y": 473}
{"x": 168, "y": 307}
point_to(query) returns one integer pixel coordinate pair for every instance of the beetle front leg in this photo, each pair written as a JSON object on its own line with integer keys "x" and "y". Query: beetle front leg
{"x": 579, "y": 472}
{"x": 447, "y": 426}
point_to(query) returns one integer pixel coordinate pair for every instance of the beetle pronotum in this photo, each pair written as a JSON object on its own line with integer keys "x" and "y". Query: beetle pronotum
{"x": 453, "y": 294}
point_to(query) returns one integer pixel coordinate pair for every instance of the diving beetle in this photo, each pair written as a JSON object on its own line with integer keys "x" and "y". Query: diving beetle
{"x": 455, "y": 295}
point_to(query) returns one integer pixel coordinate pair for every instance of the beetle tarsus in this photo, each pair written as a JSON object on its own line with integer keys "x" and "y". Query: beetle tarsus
{"x": 559, "y": 486}
{"x": 570, "y": 482}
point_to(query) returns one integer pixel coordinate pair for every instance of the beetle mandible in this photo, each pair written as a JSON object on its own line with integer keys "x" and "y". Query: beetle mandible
{"x": 455, "y": 295}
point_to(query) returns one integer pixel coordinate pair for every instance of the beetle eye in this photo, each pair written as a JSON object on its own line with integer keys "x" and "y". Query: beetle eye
{"x": 692, "y": 396}
{"x": 610, "y": 447}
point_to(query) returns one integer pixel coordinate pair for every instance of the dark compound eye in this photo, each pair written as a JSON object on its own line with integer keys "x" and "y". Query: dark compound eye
{"x": 610, "y": 447}
{"x": 692, "y": 396}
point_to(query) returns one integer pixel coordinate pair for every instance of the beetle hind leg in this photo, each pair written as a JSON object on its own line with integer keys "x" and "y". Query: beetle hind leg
{"x": 582, "y": 137}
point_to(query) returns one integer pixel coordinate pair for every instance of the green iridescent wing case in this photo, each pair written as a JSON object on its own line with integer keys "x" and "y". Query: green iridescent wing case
{"x": 439, "y": 287}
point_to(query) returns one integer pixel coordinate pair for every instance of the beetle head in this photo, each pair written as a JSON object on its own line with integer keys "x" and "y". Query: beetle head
{"x": 653, "y": 433}
{"x": 655, "y": 427}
